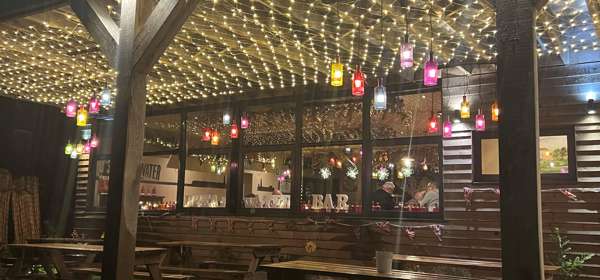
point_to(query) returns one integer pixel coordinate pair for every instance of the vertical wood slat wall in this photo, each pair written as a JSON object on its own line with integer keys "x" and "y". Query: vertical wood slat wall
{"x": 472, "y": 233}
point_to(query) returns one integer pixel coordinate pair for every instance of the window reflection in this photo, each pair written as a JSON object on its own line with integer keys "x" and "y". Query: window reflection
{"x": 405, "y": 116}
{"x": 161, "y": 133}
{"x": 267, "y": 179}
{"x": 406, "y": 178}
{"x": 329, "y": 122}
{"x": 331, "y": 179}
{"x": 206, "y": 180}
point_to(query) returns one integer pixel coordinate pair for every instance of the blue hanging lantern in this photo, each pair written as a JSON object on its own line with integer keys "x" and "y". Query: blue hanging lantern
{"x": 380, "y": 96}
{"x": 226, "y": 118}
{"x": 86, "y": 134}
{"x": 105, "y": 97}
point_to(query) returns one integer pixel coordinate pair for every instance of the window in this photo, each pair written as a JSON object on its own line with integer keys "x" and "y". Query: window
{"x": 270, "y": 125}
{"x": 162, "y": 133}
{"x": 415, "y": 177}
{"x": 331, "y": 179}
{"x": 206, "y": 130}
{"x": 158, "y": 182}
{"x": 331, "y": 122}
{"x": 405, "y": 116}
{"x": 206, "y": 180}
{"x": 267, "y": 179}
{"x": 556, "y": 156}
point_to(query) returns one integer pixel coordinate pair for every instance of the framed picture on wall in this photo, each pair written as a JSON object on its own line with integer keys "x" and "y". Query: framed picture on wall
{"x": 557, "y": 156}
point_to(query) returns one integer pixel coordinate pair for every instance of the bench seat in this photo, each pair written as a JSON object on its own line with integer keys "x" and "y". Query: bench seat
{"x": 136, "y": 274}
{"x": 209, "y": 273}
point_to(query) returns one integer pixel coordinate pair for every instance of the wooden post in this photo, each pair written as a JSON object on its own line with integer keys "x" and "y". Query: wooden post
{"x": 134, "y": 46}
{"x": 520, "y": 202}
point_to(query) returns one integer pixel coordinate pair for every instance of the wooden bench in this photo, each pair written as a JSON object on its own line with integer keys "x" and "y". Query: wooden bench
{"x": 466, "y": 263}
{"x": 89, "y": 271}
{"x": 296, "y": 270}
{"x": 209, "y": 273}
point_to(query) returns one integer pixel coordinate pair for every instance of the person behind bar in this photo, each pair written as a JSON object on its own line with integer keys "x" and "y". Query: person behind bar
{"x": 432, "y": 197}
{"x": 383, "y": 196}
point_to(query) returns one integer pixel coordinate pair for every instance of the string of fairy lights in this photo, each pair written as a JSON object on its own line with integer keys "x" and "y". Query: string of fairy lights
{"x": 236, "y": 46}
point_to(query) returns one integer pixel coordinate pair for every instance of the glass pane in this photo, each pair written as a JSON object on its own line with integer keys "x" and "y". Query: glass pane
{"x": 158, "y": 182}
{"x": 267, "y": 179}
{"x": 554, "y": 154}
{"x": 332, "y": 122}
{"x": 206, "y": 180}
{"x": 490, "y": 164}
{"x": 200, "y": 122}
{"x": 405, "y": 116}
{"x": 406, "y": 177}
{"x": 162, "y": 133}
{"x": 102, "y": 174}
{"x": 331, "y": 178}
{"x": 270, "y": 126}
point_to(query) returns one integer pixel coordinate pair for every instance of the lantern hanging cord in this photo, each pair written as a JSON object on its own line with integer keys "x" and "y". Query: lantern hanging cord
{"x": 382, "y": 46}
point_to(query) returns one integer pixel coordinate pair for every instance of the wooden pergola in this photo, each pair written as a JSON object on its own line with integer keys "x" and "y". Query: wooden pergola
{"x": 137, "y": 43}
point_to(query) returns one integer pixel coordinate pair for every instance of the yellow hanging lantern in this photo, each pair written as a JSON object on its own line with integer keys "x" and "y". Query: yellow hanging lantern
{"x": 82, "y": 116}
{"x": 337, "y": 73}
{"x": 465, "y": 110}
{"x": 215, "y": 138}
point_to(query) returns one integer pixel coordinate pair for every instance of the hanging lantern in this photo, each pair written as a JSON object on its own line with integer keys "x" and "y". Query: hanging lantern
{"x": 71, "y": 108}
{"x": 358, "y": 82}
{"x": 74, "y": 154}
{"x": 380, "y": 96}
{"x": 105, "y": 97}
{"x": 94, "y": 142}
{"x": 69, "y": 148}
{"x": 234, "y": 131}
{"x": 479, "y": 121}
{"x": 430, "y": 72}
{"x": 456, "y": 116}
{"x": 94, "y": 106}
{"x": 245, "y": 122}
{"x": 86, "y": 134}
{"x": 82, "y": 116}
{"x": 433, "y": 124}
{"x": 87, "y": 148}
{"x": 406, "y": 53}
{"x": 79, "y": 148}
{"x": 337, "y": 73}
{"x": 447, "y": 128}
{"x": 215, "y": 138}
{"x": 465, "y": 110}
{"x": 206, "y": 133}
{"x": 226, "y": 118}
{"x": 495, "y": 111}
{"x": 591, "y": 107}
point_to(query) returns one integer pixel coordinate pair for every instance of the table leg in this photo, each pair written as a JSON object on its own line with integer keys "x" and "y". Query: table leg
{"x": 18, "y": 266}
{"x": 57, "y": 259}
{"x": 154, "y": 271}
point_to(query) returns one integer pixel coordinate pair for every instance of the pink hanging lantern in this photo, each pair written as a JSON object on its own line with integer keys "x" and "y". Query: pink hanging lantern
{"x": 406, "y": 53}
{"x": 94, "y": 142}
{"x": 480, "y": 121}
{"x": 447, "y": 128}
{"x": 206, "y": 134}
{"x": 94, "y": 106}
{"x": 87, "y": 148}
{"x": 245, "y": 122}
{"x": 71, "y": 108}
{"x": 430, "y": 72}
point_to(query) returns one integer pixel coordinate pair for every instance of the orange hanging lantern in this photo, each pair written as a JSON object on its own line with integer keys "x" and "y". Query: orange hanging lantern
{"x": 495, "y": 111}
{"x": 215, "y": 138}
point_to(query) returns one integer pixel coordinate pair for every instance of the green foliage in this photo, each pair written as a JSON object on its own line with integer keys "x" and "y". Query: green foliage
{"x": 570, "y": 263}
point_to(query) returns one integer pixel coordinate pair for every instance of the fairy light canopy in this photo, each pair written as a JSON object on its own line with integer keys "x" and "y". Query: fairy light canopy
{"x": 231, "y": 47}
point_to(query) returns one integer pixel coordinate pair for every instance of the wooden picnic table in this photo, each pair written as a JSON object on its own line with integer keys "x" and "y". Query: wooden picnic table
{"x": 550, "y": 270}
{"x": 52, "y": 255}
{"x": 65, "y": 240}
{"x": 296, "y": 270}
{"x": 260, "y": 251}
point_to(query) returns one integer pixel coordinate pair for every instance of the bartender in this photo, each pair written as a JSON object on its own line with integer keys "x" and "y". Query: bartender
{"x": 383, "y": 196}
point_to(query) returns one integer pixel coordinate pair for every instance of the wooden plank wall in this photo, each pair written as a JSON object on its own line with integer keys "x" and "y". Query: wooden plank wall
{"x": 470, "y": 232}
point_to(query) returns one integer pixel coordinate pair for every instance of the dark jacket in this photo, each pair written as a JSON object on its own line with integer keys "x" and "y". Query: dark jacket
{"x": 385, "y": 200}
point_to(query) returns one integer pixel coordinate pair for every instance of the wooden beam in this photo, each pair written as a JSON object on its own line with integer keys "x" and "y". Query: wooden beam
{"x": 158, "y": 31}
{"x": 594, "y": 11}
{"x": 520, "y": 200}
{"x": 96, "y": 19}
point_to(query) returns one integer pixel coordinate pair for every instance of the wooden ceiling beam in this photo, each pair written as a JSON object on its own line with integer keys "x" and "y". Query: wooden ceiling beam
{"x": 100, "y": 25}
{"x": 156, "y": 34}
{"x": 593, "y": 7}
